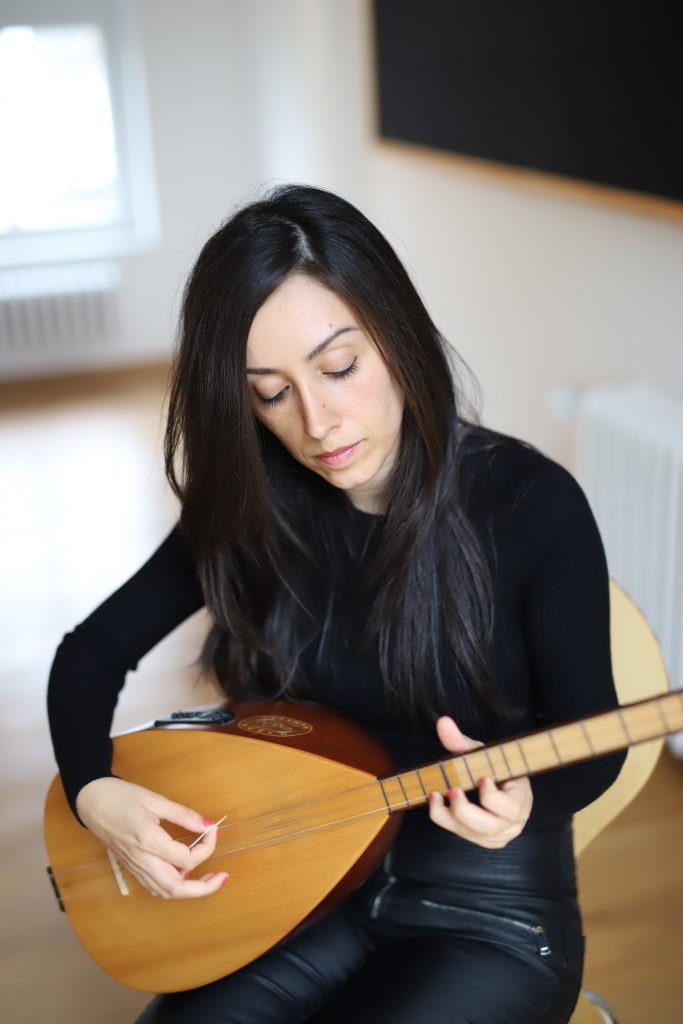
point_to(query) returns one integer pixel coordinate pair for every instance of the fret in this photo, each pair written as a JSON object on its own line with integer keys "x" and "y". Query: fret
{"x": 624, "y": 726}
{"x": 393, "y": 793}
{"x": 586, "y": 733}
{"x": 463, "y": 760}
{"x": 513, "y": 756}
{"x": 403, "y": 789}
{"x": 539, "y": 752}
{"x": 521, "y": 750}
{"x": 477, "y": 765}
{"x": 408, "y": 789}
{"x": 501, "y": 768}
{"x": 660, "y": 710}
{"x": 432, "y": 778}
{"x": 572, "y": 741}
{"x": 419, "y": 779}
{"x": 508, "y": 769}
{"x": 491, "y": 764}
{"x": 607, "y": 733}
{"x": 644, "y": 720}
{"x": 384, "y": 794}
{"x": 558, "y": 755}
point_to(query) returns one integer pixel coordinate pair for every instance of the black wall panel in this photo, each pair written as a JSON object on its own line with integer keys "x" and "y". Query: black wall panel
{"x": 587, "y": 89}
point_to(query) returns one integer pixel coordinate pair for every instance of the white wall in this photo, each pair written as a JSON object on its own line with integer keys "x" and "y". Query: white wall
{"x": 205, "y": 149}
{"x": 242, "y": 94}
{"x": 536, "y": 292}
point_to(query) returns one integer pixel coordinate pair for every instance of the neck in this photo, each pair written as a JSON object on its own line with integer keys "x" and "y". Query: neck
{"x": 540, "y": 751}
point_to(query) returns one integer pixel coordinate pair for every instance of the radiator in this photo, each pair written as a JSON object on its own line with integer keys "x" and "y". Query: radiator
{"x": 629, "y": 461}
{"x": 57, "y": 317}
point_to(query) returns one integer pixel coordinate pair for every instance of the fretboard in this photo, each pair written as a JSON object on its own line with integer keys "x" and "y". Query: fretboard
{"x": 540, "y": 751}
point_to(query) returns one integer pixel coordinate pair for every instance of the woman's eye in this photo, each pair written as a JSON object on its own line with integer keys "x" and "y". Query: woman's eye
{"x": 340, "y": 374}
{"x": 336, "y": 374}
{"x": 274, "y": 400}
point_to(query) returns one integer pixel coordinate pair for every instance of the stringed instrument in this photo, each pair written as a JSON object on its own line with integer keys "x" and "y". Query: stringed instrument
{"x": 312, "y": 807}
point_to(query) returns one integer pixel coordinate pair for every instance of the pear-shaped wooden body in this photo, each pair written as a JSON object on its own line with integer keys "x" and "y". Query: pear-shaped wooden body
{"x": 306, "y": 822}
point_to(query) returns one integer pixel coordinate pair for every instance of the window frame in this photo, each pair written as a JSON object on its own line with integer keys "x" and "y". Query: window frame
{"x": 139, "y": 228}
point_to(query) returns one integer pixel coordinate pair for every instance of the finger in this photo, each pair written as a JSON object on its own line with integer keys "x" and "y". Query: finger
{"x": 157, "y": 842}
{"x": 460, "y": 820}
{"x": 439, "y": 813}
{"x": 168, "y": 810}
{"x": 148, "y": 874}
{"x": 466, "y": 818}
{"x": 192, "y": 855}
{"x": 196, "y": 888}
{"x": 162, "y": 879}
{"x": 472, "y": 819}
{"x": 511, "y": 802}
{"x": 452, "y": 738}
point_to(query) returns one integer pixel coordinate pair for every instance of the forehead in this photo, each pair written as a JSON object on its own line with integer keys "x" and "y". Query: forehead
{"x": 297, "y": 316}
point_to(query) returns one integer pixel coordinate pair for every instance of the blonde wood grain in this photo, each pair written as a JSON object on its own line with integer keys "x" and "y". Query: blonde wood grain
{"x": 639, "y": 672}
{"x": 297, "y": 823}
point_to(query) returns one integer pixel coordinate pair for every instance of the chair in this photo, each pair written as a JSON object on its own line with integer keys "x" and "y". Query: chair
{"x": 639, "y": 672}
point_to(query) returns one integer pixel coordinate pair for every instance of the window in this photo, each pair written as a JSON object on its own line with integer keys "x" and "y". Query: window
{"x": 76, "y": 177}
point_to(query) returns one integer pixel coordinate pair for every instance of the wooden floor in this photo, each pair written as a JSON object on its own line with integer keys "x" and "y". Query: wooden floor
{"x": 84, "y": 502}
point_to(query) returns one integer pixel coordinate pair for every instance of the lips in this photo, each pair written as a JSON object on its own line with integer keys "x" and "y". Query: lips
{"x": 340, "y": 456}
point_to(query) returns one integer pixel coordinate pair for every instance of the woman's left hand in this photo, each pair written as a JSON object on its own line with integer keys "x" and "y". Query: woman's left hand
{"x": 504, "y": 808}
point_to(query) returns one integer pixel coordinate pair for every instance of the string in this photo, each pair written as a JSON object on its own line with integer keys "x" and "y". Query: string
{"x": 314, "y": 805}
{"x": 224, "y": 850}
{"x": 272, "y": 841}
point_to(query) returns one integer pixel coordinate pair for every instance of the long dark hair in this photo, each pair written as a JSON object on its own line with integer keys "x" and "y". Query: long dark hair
{"x": 249, "y": 512}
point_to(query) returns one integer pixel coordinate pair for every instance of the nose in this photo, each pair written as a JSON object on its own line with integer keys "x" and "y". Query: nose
{"x": 319, "y": 417}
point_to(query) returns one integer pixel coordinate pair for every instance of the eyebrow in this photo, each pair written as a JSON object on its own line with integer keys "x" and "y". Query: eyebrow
{"x": 311, "y": 355}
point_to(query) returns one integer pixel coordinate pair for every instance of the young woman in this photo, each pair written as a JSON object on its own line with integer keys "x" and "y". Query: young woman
{"x": 360, "y": 541}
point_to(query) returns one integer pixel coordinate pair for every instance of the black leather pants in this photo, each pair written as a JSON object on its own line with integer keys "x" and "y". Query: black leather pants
{"x": 444, "y": 933}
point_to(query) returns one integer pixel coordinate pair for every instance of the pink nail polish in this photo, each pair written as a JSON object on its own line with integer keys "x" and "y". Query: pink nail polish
{"x": 185, "y": 874}
{"x": 225, "y": 880}
{"x": 452, "y": 794}
{"x": 206, "y": 822}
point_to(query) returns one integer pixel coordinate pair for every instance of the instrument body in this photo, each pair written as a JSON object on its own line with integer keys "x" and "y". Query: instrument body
{"x": 311, "y": 810}
{"x": 284, "y": 774}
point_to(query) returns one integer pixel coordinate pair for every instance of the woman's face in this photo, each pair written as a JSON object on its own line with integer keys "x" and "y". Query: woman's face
{"x": 320, "y": 385}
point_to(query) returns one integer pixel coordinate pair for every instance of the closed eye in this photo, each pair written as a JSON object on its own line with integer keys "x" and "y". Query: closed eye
{"x": 336, "y": 374}
{"x": 340, "y": 374}
{"x": 274, "y": 400}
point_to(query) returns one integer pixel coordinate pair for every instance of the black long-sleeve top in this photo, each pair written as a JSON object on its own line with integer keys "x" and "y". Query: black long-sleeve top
{"x": 550, "y": 653}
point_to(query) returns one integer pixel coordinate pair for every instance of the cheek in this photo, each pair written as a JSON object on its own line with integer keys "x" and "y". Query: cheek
{"x": 387, "y": 400}
{"x": 375, "y": 396}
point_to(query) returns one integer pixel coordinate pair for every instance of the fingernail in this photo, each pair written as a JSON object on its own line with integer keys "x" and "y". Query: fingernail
{"x": 207, "y": 821}
{"x": 482, "y": 782}
{"x": 452, "y": 793}
{"x": 225, "y": 880}
{"x": 185, "y": 874}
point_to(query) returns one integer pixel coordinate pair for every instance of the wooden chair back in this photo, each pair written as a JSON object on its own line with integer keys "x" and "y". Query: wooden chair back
{"x": 639, "y": 672}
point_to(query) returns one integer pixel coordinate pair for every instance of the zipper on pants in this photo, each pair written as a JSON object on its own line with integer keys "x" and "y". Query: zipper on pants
{"x": 536, "y": 930}
{"x": 391, "y": 878}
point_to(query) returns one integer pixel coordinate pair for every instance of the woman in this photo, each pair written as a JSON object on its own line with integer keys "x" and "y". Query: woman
{"x": 360, "y": 541}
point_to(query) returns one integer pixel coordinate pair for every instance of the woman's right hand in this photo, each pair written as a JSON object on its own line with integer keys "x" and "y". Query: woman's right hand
{"x": 127, "y": 819}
